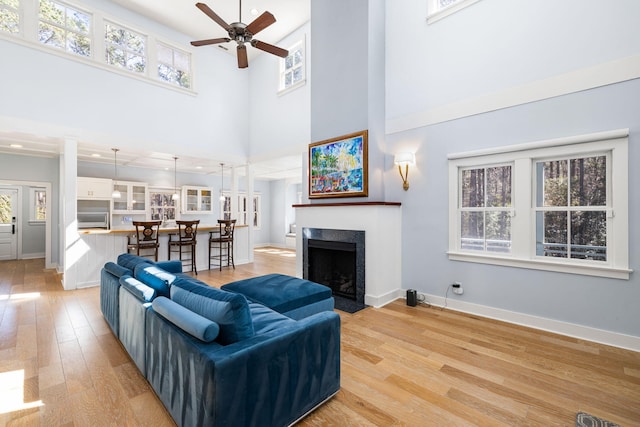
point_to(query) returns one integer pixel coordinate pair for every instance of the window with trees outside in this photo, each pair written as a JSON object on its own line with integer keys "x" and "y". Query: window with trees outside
{"x": 125, "y": 48}
{"x": 174, "y": 66}
{"x": 65, "y": 28}
{"x": 550, "y": 205}
{"x": 292, "y": 68}
{"x": 38, "y": 205}
{"x": 10, "y": 16}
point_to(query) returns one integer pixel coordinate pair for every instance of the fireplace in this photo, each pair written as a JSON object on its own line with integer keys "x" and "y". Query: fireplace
{"x": 335, "y": 258}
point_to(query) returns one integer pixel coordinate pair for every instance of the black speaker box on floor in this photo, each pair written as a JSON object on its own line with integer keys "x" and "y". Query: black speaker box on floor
{"x": 412, "y": 297}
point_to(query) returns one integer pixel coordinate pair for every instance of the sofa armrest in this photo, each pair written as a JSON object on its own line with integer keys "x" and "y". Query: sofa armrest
{"x": 269, "y": 379}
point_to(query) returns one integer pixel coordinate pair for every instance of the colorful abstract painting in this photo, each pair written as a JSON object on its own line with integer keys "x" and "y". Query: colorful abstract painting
{"x": 338, "y": 167}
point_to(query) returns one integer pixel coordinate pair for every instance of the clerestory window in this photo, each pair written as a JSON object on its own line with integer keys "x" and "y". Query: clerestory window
{"x": 10, "y": 16}
{"x": 125, "y": 48}
{"x": 64, "y": 27}
{"x": 174, "y": 66}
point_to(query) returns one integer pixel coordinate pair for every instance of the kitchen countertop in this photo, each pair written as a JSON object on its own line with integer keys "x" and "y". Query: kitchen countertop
{"x": 163, "y": 230}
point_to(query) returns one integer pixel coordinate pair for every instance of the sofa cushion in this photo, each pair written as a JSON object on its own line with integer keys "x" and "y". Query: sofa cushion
{"x": 155, "y": 277}
{"x": 280, "y": 292}
{"x": 138, "y": 289}
{"x": 130, "y": 261}
{"x": 230, "y": 311}
{"x": 266, "y": 320}
{"x": 192, "y": 323}
{"x": 117, "y": 270}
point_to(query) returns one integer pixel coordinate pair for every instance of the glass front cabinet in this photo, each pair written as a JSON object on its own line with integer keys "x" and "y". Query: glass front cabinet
{"x": 197, "y": 199}
{"x": 133, "y": 197}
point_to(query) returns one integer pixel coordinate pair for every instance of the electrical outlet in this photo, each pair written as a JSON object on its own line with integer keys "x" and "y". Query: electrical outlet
{"x": 457, "y": 288}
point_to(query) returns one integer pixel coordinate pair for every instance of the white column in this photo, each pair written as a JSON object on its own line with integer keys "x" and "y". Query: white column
{"x": 250, "y": 184}
{"x": 72, "y": 244}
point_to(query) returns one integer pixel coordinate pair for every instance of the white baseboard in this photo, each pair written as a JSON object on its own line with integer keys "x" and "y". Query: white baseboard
{"x": 381, "y": 300}
{"x": 32, "y": 256}
{"x": 601, "y": 336}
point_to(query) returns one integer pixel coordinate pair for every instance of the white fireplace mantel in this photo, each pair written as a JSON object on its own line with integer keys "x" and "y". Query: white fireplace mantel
{"x": 382, "y": 224}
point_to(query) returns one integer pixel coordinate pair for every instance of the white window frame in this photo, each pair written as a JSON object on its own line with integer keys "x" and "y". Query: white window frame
{"x": 33, "y": 205}
{"x": 89, "y": 34}
{"x": 173, "y": 49}
{"x": 523, "y": 234}
{"x": 436, "y": 12}
{"x": 28, "y": 36}
{"x": 13, "y": 11}
{"x": 144, "y": 54}
{"x": 281, "y": 84}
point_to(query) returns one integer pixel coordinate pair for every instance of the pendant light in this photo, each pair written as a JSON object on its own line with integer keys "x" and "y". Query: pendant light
{"x": 222, "y": 183}
{"x": 175, "y": 180}
{"x": 116, "y": 194}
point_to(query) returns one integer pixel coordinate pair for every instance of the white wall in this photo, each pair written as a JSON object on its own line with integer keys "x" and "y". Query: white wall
{"x": 278, "y": 123}
{"x": 46, "y": 94}
{"x": 490, "y": 47}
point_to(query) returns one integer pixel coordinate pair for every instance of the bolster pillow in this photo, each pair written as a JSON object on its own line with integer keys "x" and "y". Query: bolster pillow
{"x": 139, "y": 290}
{"x": 117, "y": 270}
{"x": 190, "y": 322}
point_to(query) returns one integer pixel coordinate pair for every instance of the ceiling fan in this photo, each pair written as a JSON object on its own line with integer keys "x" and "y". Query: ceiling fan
{"x": 242, "y": 34}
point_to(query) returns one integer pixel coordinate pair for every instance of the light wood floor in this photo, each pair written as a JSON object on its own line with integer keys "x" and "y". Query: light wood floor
{"x": 401, "y": 366}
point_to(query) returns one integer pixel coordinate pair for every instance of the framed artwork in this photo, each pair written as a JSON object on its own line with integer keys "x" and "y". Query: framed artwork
{"x": 338, "y": 167}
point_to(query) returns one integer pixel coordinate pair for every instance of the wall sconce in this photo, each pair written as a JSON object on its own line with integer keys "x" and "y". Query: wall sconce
{"x": 405, "y": 159}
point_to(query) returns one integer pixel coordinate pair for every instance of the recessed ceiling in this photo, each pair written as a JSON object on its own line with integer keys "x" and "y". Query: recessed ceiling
{"x": 283, "y": 167}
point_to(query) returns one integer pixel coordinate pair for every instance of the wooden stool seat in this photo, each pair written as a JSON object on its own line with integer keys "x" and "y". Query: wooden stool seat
{"x": 185, "y": 238}
{"x": 222, "y": 241}
{"x": 145, "y": 238}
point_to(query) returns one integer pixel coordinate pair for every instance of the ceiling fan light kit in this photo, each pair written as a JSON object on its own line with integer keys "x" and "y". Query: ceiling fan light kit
{"x": 242, "y": 34}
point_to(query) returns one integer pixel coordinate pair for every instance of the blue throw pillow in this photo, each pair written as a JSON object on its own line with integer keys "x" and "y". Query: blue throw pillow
{"x": 139, "y": 290}
{"x": 154, "y": 277}
{"x": 230, "y": 311}
{"x": 190, "y": 322}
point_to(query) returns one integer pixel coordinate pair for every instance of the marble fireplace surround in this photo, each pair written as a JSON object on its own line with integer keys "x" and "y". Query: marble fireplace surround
{"x": 382, "y": 224}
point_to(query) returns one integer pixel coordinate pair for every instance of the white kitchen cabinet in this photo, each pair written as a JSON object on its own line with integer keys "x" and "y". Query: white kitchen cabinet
{"x": 197, "y": 199}
{"x": 133, "y": 197}
{"x": 94, "y": 188}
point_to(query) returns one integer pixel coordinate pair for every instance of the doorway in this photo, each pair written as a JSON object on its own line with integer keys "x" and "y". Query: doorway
{"x": 8, "y": 224}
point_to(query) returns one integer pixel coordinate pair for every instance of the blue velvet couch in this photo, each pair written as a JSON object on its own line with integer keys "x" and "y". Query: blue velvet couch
{"x": 215, "y": 357}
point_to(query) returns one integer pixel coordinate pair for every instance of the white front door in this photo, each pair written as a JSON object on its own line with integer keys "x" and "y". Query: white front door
{"x": 8, "y": 224}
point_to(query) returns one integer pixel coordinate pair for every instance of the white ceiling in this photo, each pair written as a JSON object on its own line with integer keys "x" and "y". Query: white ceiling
{"x": 187, "y": 18}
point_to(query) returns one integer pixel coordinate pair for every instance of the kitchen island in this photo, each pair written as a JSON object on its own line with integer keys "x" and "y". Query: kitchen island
{"x": 95, "y": 247}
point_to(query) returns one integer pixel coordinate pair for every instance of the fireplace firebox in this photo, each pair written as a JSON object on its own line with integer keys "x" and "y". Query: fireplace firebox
{"x": 335, "y": 258}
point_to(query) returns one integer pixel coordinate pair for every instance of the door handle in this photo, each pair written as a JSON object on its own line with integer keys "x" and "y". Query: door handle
{"x": 13, "y": 229}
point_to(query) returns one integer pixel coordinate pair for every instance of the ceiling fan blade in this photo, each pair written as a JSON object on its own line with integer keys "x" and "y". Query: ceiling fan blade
{"x": 275, "y": 50}
{"x": 243, "y": 62}
{"x": 211, "y": 14}
{"x": 210, "y": 41}
{"x": 260, "y": 23}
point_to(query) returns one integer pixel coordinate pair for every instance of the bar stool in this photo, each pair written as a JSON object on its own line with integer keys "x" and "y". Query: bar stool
{"x": 223, "y": 243}
{"x": 146, "y": 237}
{"x": 186, "y": 238}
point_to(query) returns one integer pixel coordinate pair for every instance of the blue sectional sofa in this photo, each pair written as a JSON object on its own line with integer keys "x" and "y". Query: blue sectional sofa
{"x": 217, "y": 357}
